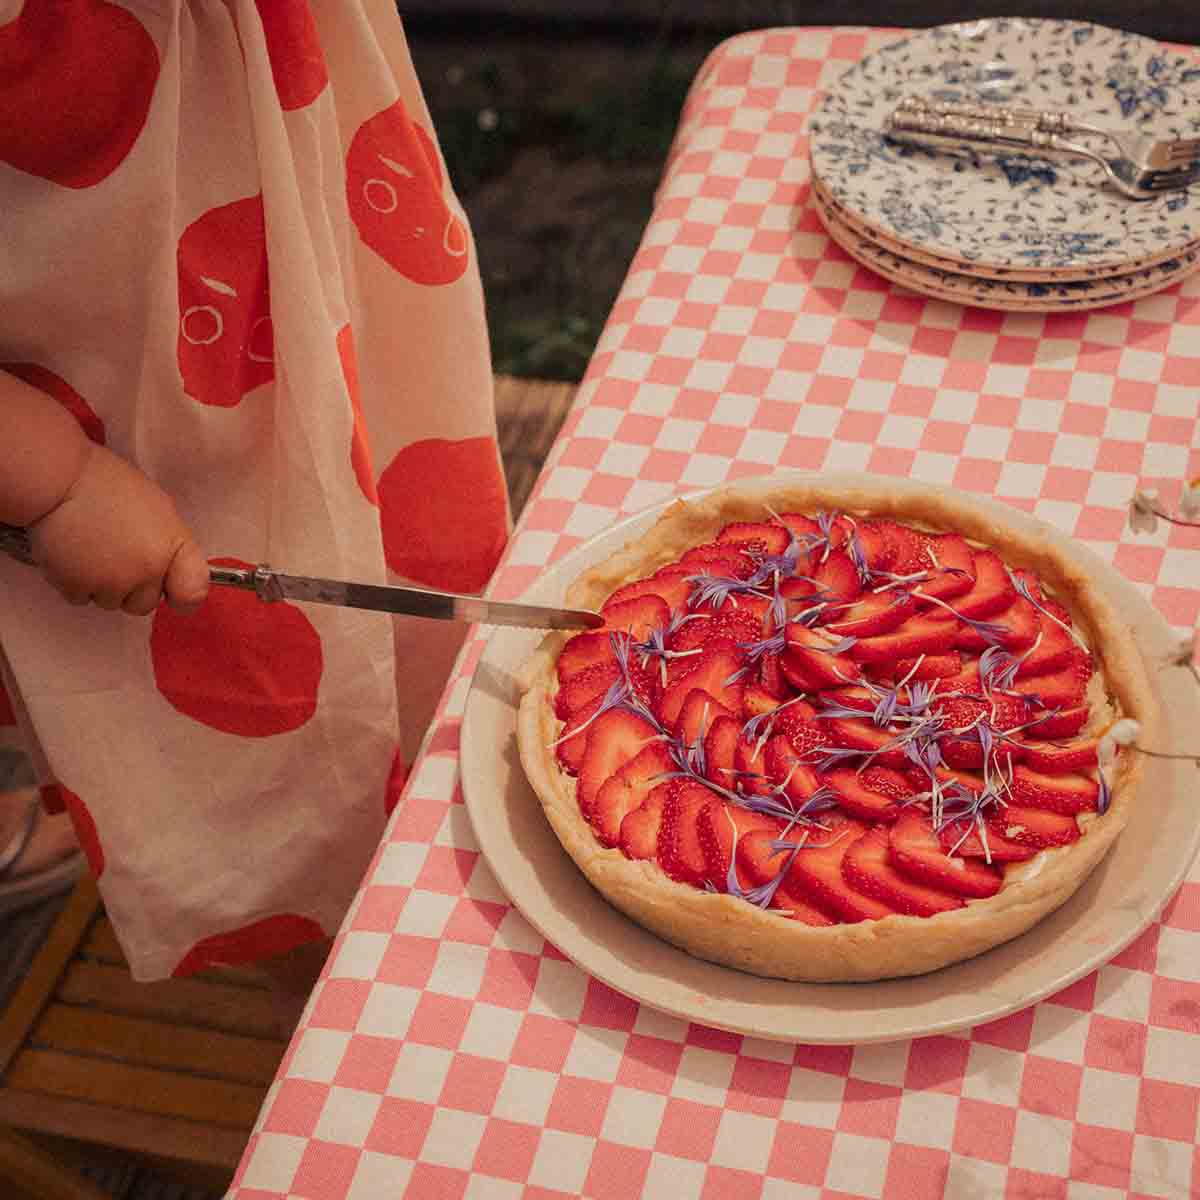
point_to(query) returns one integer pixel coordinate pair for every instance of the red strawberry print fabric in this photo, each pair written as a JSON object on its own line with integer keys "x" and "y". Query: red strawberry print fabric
{"x": 272, "y": 308}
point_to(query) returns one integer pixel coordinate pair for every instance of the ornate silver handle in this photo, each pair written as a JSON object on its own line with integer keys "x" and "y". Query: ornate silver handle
{"x": 926, "y": 128}
{"x": 1049, "y": 122}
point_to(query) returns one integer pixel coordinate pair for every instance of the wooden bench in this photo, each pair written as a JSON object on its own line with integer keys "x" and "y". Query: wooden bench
{"x": 172, "y": 1073}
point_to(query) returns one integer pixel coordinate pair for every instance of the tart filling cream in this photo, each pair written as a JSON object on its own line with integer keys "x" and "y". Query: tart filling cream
{"x": 833, "y": 733}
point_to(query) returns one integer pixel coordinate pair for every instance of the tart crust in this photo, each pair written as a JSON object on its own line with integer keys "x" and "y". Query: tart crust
{"x": 725, "y": 929}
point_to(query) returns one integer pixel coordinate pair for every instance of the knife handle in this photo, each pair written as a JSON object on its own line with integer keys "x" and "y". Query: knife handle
{"x": 260, "y": 580}
{"x": 1043, "y": 119}
{"x": 925, "y": 128}
{"x": 14, "y": 541}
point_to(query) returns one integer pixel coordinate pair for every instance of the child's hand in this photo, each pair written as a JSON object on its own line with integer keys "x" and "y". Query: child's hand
{"x": 115, "y": 540}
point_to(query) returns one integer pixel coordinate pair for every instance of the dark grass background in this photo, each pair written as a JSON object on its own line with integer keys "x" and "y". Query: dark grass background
{"x": 555, "y": 117}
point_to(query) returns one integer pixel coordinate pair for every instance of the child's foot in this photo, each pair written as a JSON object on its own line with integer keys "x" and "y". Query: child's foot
{"x": 39, "y": 855}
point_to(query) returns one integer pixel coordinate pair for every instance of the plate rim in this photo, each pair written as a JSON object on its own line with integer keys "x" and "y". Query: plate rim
{"x": 848, "y": 238}
{"x": 678, "y": 998}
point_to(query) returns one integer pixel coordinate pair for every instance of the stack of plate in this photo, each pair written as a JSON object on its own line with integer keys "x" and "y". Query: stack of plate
{"x": 1007, "y": 229}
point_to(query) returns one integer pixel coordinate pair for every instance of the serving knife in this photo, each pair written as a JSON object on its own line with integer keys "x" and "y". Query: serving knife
{"x": 270, "y": 586}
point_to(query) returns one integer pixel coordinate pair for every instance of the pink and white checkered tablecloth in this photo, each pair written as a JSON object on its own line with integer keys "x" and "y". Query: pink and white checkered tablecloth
{"x": 449, "y": 1051}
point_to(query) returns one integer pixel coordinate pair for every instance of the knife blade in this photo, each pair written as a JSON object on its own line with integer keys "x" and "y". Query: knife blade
{"x": 271, "y": 586}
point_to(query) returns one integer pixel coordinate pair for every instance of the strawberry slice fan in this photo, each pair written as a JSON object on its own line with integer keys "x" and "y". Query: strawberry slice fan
{"x": 817, "y": 740}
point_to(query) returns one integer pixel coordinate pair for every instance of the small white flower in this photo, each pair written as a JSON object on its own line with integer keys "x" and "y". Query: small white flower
{"x": 1143, "y": 515}
{"x": 1125, "y": 732}
{"x": 1184, "y": 653}
{"x": 1106, "y": 751}
{"x": 1189, "y": 502}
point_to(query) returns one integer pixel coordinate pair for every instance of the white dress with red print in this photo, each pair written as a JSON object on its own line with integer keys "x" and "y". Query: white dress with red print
{"x": 231, "y": 251}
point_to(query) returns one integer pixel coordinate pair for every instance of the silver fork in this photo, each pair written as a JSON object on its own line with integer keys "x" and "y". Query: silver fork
{"x": 1151, "y": 154}
{"x": 1138, "y": 182}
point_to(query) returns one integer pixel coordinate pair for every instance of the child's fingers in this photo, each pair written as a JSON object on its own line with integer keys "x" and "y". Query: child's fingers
{"x": 186, "y": 583}
{"x": 144, "y": 599}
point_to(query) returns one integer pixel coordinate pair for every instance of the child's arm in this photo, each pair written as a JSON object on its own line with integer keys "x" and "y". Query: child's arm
{"x": 102, "y": 531}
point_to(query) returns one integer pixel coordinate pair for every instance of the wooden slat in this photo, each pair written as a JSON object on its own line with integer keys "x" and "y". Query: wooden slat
{"x": 27, "y": 1171}
{"x": 90, "y": 1034}
{"x": 148, "y": 1134}
{"x": 102, "y": 946}
{"x": 136, "y": 1089}
{"x": 47, "y": 967}
{"x": 529, "y": 414}
{"x": 200, "y": 1003}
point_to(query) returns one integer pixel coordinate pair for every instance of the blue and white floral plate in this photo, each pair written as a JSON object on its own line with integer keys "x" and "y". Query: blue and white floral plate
{"x": 1012, "y": 295}
{"x": 1012, "y": 215}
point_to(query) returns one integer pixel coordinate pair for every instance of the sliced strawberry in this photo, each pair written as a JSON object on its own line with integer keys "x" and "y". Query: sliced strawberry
{"x": 964, "y": 839}
{"x": 696, "y": 715}
{"x": 967, "y": 751}
{"x": 713, "y": 559}
{"x": 859, "y": 800}
{"x": 868, "y": 868}
{"x": 760, "y": 536}
{"x": 878, "y": 550}
{"x": 891, "y": 783}
{"x": 591, "y": 649}
{"x": 770, "y": 675}
{"x": 968, "y": 680}
{"x": 993, "y": 591}
{"x": 837, "y": 577}
{"x": 1064, "y": 688}
{"x": 1060, "y": 723}
{"x": 1022, "y": 623}
{"x": 736, "y": 624}
{"x": 915, "y": 850}
{"x": 759, "y": 862}
{"x": 717, "y": 670}
{"x": 1066, "y": 794}
{"x": 929, "y": 666}
{"x": 908, "y": 548}
{"x": 872, "y": 614}
{"x": 757, "y": 701}
{"x": 816, "y": 873}
{"x": 640, "y": 828}
{"x": 750, "y": 768}
{"x": 585, "y": 686}
{"x": 680, "y": 853}
{"x": 627, "y": 790}
{"x": 1002, "y": 711}
{"x": 720, "y": 750}
{"x": 638, "y": 616}
{"x": 806, "y": 735}
{"x": 721, "y": 828}
{"x": 573, "y": 740}
{"x": 951, "y": 566}
{"x": 785, "y": 769}
{"x": 799, "y": 591}
{"x": 1052, "y": 651}
{"x": 854, "y": 734}
{"x": 671, "y": 583}
{"x": 805, "y": 528}
{"x": 918, "y": 635}
{"x": 613, "y": 738}
{"x": 861, "y": 698}
{"x": 809, "y": 664}
{"x": 1034, "y": 827}
{"x": 1061, "y": 758}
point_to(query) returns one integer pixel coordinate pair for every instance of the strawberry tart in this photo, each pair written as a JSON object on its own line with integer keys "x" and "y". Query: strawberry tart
{"x": 836, "y": 733}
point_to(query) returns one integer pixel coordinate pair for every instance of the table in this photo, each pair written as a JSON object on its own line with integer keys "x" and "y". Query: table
{"x": 448, "y": 1051}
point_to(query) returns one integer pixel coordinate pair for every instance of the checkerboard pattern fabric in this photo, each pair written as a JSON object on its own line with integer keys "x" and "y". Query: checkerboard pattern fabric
{"x": 449, "y": 1051}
